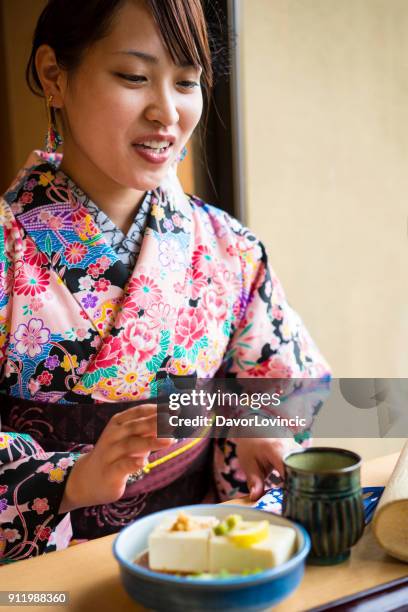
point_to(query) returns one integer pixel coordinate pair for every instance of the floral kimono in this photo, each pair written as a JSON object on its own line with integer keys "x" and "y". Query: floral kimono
{"x": 81, "y": 336}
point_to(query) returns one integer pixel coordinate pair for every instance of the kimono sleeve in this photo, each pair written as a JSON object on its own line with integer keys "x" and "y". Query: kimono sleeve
{"x": 32, "y": 485}
{"x": 32, "y": 482}
{"x": 268, "y": 341}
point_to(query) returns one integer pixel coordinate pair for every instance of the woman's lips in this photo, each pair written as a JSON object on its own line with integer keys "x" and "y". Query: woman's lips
{"x": 148, "y": 154}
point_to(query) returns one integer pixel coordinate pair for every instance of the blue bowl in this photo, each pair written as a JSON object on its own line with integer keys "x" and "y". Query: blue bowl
{"x": 158, "y": 591}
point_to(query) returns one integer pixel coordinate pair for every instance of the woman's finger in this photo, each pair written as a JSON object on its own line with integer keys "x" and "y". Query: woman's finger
{"x": 142, "y": 410}
{"x": 277, "y": 464}
{"x": 134, "y": 446}
{"x": 281, "y": 448}
{"x": 126, "y": 465}
{"x": 255, "y": 481}
{"x": 254, "y": 474}
{"x": 144, "y": 426}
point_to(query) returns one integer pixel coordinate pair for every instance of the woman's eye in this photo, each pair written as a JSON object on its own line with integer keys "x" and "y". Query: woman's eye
{"x": 189, "y": 84}
{"x": 134, "y": 78}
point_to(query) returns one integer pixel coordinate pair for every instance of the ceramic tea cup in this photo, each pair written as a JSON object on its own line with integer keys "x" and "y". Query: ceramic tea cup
{"x": 323, "y": 493}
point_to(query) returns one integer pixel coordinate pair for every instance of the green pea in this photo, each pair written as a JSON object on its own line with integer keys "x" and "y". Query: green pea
{"x": 221, "y": 529}
{"x": 233, "y": 520}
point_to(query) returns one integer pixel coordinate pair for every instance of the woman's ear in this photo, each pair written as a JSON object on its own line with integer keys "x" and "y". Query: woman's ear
{"x": 52, "y": 77}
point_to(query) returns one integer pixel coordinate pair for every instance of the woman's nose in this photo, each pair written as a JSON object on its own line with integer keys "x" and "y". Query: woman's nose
{"x": 163, "y": 109}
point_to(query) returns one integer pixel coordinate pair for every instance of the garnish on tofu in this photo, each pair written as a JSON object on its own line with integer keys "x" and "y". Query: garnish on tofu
{"x": 248, "y": 533}
{"x": 224, "y": 528}
{"x": 243, "y": 533}
{"x": 184, "y": 522}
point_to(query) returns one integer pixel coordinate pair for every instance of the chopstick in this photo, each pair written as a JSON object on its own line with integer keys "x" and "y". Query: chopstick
{"x": 387, "y": 597}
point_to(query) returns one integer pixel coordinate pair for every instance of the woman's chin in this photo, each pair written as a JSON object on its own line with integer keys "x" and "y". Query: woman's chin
{"x": 151, "y": 180}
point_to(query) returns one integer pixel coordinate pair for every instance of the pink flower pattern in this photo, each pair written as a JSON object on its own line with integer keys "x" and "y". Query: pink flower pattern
{"x": 215, "y": 305}
{"x": 31, "y": 280}
{"x": 43, "y": 533}
{"x": 75, "y": 252}
{"x": 190, "y": 327}
{"x": 145, "y": 291}
{"x": 161, "y": 315}
{"x": 40, "y": 505}
{"x": 31, "y": 337}
{"x": 140, "y": 340}
{"x": 102, "y": 284}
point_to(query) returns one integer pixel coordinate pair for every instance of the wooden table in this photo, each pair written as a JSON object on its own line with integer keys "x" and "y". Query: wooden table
{"x": 90, "y": 573}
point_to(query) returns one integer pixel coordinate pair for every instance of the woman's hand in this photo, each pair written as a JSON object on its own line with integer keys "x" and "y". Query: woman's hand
{"x": 259, "y": 456}
{"x": 99, "y": 477}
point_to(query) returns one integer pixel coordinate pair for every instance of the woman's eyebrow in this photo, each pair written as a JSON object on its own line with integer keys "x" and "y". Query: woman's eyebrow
{"x": 152, "y": 58}
{"x": 145, "y": 56}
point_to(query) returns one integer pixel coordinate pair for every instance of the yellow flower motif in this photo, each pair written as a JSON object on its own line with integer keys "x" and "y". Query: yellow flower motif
{"x": 69, "y": 362}
{"x": 46, "y": 178}
{"x": 158, "y": 212}
{"x": 56, "y": 475}
{"x": 182, "y": 367}
{"x": 108, "y": 313}
{"x": 4, "y": 440}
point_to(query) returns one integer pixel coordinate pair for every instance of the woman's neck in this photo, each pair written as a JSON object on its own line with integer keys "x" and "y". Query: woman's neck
{"x": 119, "y": 203}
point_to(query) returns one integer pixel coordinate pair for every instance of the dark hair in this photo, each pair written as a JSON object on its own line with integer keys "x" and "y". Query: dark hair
{"x": 70, "y": 27}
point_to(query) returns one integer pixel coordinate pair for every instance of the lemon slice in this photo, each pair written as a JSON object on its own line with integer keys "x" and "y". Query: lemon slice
{"x": 248, "y": 533}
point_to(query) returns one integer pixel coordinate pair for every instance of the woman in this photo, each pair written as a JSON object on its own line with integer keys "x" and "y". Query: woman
{"x": 113, "y": 279}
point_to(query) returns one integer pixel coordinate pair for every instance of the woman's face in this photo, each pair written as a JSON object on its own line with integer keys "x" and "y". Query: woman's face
{"x": 126, "y": 94}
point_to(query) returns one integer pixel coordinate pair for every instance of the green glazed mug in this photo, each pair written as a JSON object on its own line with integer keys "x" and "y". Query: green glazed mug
{"x": 322, "y": 492}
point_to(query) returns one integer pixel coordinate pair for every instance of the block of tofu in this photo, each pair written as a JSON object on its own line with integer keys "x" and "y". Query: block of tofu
{"x": 182, "y": 544}
{"x": 278, "y": 547}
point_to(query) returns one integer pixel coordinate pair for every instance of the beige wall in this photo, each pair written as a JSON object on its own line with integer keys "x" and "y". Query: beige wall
{"x": 326, "y": 128}
{"x": 325, "y": 98}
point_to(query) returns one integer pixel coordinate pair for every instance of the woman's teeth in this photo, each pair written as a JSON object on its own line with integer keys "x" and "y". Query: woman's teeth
{"x": 156, "y": 145}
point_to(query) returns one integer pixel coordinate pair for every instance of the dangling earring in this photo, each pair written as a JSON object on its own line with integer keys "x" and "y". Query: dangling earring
{"x": 182, "y": 154}
{"x": 53, "y": 138}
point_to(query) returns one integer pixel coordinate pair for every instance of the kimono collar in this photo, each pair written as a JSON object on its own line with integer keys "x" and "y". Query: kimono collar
{"x": 46, "y": 202}
{"x": 127, "y": 246}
